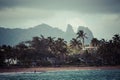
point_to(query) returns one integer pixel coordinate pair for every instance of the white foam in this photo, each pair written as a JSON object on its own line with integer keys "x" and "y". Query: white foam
{"x": 14, "y": 73}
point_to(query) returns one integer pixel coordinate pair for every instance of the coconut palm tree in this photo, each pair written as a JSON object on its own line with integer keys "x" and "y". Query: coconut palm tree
{"x": 81, "y": 35}
{"x": 75, "y": 45}
{"x": 61, "y": 48}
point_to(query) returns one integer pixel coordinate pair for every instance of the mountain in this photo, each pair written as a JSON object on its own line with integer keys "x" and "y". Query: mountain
{"x": 69, "y": 34}
{"x": 14, "y": 36}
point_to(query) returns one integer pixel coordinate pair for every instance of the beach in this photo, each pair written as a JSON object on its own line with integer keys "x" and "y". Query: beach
{"x": 45, "y": 69}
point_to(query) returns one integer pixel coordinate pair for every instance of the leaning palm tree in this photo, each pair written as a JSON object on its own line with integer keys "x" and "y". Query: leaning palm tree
{"x": 81, "y": 35}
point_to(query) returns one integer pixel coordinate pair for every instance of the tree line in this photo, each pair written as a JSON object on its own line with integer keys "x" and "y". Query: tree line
{"x": 51, "y": 51}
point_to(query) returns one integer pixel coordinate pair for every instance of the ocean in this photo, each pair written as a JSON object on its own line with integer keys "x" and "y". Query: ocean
{"x": 64, "y": 75}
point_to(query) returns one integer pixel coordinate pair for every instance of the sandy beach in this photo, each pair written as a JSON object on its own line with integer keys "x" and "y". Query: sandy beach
{"x": 44, "y": 69}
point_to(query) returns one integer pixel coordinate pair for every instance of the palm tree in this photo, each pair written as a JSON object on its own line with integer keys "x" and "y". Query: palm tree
{"x": 116, "y": 38}
{"x": 75, "y": 44}
{"x": 35, "y": 43}
{"x": 51, "y": 45}
{"x": 81, "y": 35}
{"x": 61, "y": 48}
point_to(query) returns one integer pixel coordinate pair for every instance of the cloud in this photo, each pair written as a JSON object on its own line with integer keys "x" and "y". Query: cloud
{"x": 101, "y": 16}
{"x": 105, "y": 25}
{"x": 24, "y": 17}
{"x": 87, "y": 6}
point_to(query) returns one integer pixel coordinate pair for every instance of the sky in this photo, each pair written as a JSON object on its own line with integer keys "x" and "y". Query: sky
{"x": 102, "y": 17}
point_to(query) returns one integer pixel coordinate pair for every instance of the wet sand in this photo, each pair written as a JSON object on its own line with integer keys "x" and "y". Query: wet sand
{"x": 44, "y": 69}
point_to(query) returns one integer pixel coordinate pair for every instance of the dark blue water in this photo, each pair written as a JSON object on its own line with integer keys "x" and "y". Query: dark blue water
{"x": 64, "y": 75}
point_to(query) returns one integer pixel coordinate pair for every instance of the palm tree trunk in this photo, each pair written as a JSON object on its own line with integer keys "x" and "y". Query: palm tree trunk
{"x": 83, "y": 43}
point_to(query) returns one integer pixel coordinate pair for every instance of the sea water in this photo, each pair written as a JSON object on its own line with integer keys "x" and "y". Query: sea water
{"x": 64, "y": 75}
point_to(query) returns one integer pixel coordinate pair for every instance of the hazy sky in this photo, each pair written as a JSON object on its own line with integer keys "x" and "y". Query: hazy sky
{"x": 100, "y": 16}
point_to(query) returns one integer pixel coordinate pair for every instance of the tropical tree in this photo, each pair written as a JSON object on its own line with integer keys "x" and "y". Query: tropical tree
{"x": 60, "y": 49}
{"x": 22, "y": 54}
{"x": 51, "y": 43}
{"x": 7, "y": 55}
{"x": 116, "y": 48}
{"x": 94, "y": 42}
{"x": 116, "y": 40}
{"x": 42, "y": 48}
{"x": 75, "y": 45}
{"x": 35, "y": 43}
{"x": 109, "y": 51}
{"x": 81, "y": 35}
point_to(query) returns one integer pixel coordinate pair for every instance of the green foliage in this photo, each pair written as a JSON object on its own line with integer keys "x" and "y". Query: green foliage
{"x": 75, "y": 46}
{"x": 109, "y": 51}
{"x": 41, "y": 51}
{"x": 81, "y": 35}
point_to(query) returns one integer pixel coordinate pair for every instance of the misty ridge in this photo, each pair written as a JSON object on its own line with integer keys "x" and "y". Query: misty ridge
{"x": 14, "y": 36}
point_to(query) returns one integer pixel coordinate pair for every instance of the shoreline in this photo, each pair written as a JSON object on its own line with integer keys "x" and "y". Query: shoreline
{"x": 45, "y": 69}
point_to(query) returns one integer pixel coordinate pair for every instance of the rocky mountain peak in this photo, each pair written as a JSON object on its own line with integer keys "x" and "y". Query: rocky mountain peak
{"x": 69, "y": 29}
{"x": 14, "y": 36}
